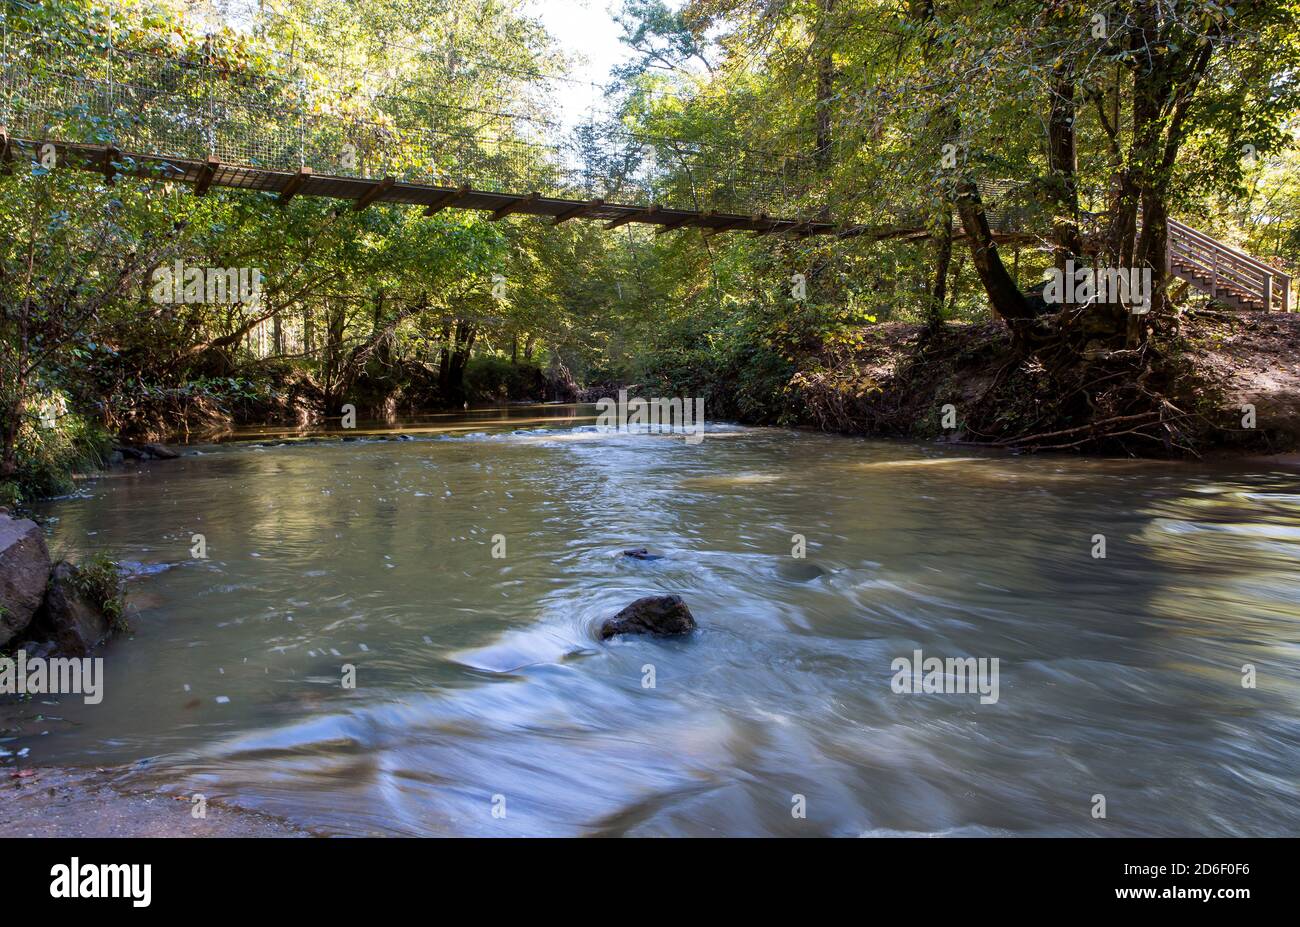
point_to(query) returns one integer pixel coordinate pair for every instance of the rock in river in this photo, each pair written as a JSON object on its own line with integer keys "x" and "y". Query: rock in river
{"x": 160, "y": 451}
{"x": 653, "y": 614}
{"x": 70, "y": 618}
{"x": 640, "y": 553}
{"x": 24, "y": 570}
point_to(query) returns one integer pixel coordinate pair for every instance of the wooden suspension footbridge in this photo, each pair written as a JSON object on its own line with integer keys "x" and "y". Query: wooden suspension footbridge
{"x": 102, "y": 102}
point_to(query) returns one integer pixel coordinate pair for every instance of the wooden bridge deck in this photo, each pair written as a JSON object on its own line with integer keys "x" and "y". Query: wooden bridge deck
{"x": 208, "y": 173}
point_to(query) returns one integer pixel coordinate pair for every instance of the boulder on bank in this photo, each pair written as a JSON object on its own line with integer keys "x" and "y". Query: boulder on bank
{"x": 24, "y": 570}
{"x": 75, "y": 615}
{"x": 653, "y": 614}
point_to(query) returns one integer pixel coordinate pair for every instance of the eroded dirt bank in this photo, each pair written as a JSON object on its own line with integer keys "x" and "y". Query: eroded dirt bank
{"x": 898, "y": 379}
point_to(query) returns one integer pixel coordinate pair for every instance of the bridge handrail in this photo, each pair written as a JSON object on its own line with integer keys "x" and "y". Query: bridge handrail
{"x": 1224, "y": 272}
{"x": 1217, "y": 258}
{"x": 1235, "y": 253}
{"x": 1265, "y": 284}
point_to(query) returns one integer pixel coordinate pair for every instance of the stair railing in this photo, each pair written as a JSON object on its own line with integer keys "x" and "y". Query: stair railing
{"x": 1228, "y": 270}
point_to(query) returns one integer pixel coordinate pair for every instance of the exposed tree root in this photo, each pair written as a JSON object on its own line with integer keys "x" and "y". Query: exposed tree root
{"x": 1157, "y": 399}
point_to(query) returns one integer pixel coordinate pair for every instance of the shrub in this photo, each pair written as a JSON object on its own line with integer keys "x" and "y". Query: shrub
{"x": 100, "y": 583}
{"x": 731, "y": 363}
{"x": 48, "y": 457}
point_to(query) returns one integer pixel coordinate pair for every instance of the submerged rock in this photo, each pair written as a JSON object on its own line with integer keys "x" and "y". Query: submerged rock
{"x": 653, "y": 614}
{"x": 24, "y": 570}
{"x": 640, "y": 553}
{"x": 160, "y": 451}
{"x": 124, "y": 452}
{"x": 134, "y": 569}
{"x": 801, "y": 571}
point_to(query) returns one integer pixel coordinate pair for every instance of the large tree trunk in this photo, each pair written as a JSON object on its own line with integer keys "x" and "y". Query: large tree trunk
{"x": 942, "y": 262}
{"x": 13, "y": 423}
{"x": 444, "y": 360}
{"x": 1005, "y": 297}
{"x": 457, "y": 344}
{"x": 1165, "y": 79}
{"x": 1062, "y": 164}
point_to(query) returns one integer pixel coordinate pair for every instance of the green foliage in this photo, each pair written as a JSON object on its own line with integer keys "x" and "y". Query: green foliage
{"x": 47, "y": 458}
{"x": 728, "y": 360}
{"x": 100, "y": 583}
{"x": 389, "y": 304}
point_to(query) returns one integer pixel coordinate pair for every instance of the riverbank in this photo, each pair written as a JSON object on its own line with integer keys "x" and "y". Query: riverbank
{"x": 1238, "y": 389}
{"x": 66, "y": 802}
{"x": 1236, "y": 392}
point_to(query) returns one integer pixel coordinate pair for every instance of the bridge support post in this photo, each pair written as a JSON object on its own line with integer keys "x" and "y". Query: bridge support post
{"x": 108, "y": 62}
{"x": 210, "y": 122}
{"x": 207, "y": 171}
{"x": 577, "y": 211}
{"x": 302, "y": 126}
{"x": 294, "y": 185}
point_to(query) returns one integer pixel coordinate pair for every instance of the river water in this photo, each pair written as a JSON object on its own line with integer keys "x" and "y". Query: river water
{"x": 484, "y": 703}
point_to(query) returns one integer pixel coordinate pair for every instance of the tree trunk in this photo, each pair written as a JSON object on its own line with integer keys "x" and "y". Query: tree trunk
{"x": 453, "y": 358}
{"x": 1004, "y": 296}
{"x": 825, "y": 86}
{"x": 1062, "y": 163}
{"x": 444, "y": 360}
{"x": 942, "y": 261}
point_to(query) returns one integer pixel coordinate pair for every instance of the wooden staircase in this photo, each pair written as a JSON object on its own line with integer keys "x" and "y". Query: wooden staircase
{"x": 1230, "y": 276}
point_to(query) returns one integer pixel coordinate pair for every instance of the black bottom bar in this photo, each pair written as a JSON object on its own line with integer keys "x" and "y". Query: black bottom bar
{"x": 547, "y": 878}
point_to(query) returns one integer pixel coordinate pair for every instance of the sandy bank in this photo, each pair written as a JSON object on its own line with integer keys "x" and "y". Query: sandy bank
{"x": 56, "y": 802}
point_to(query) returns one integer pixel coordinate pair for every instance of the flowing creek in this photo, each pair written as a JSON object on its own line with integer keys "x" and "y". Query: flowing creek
{"x": 481, "y": 684}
